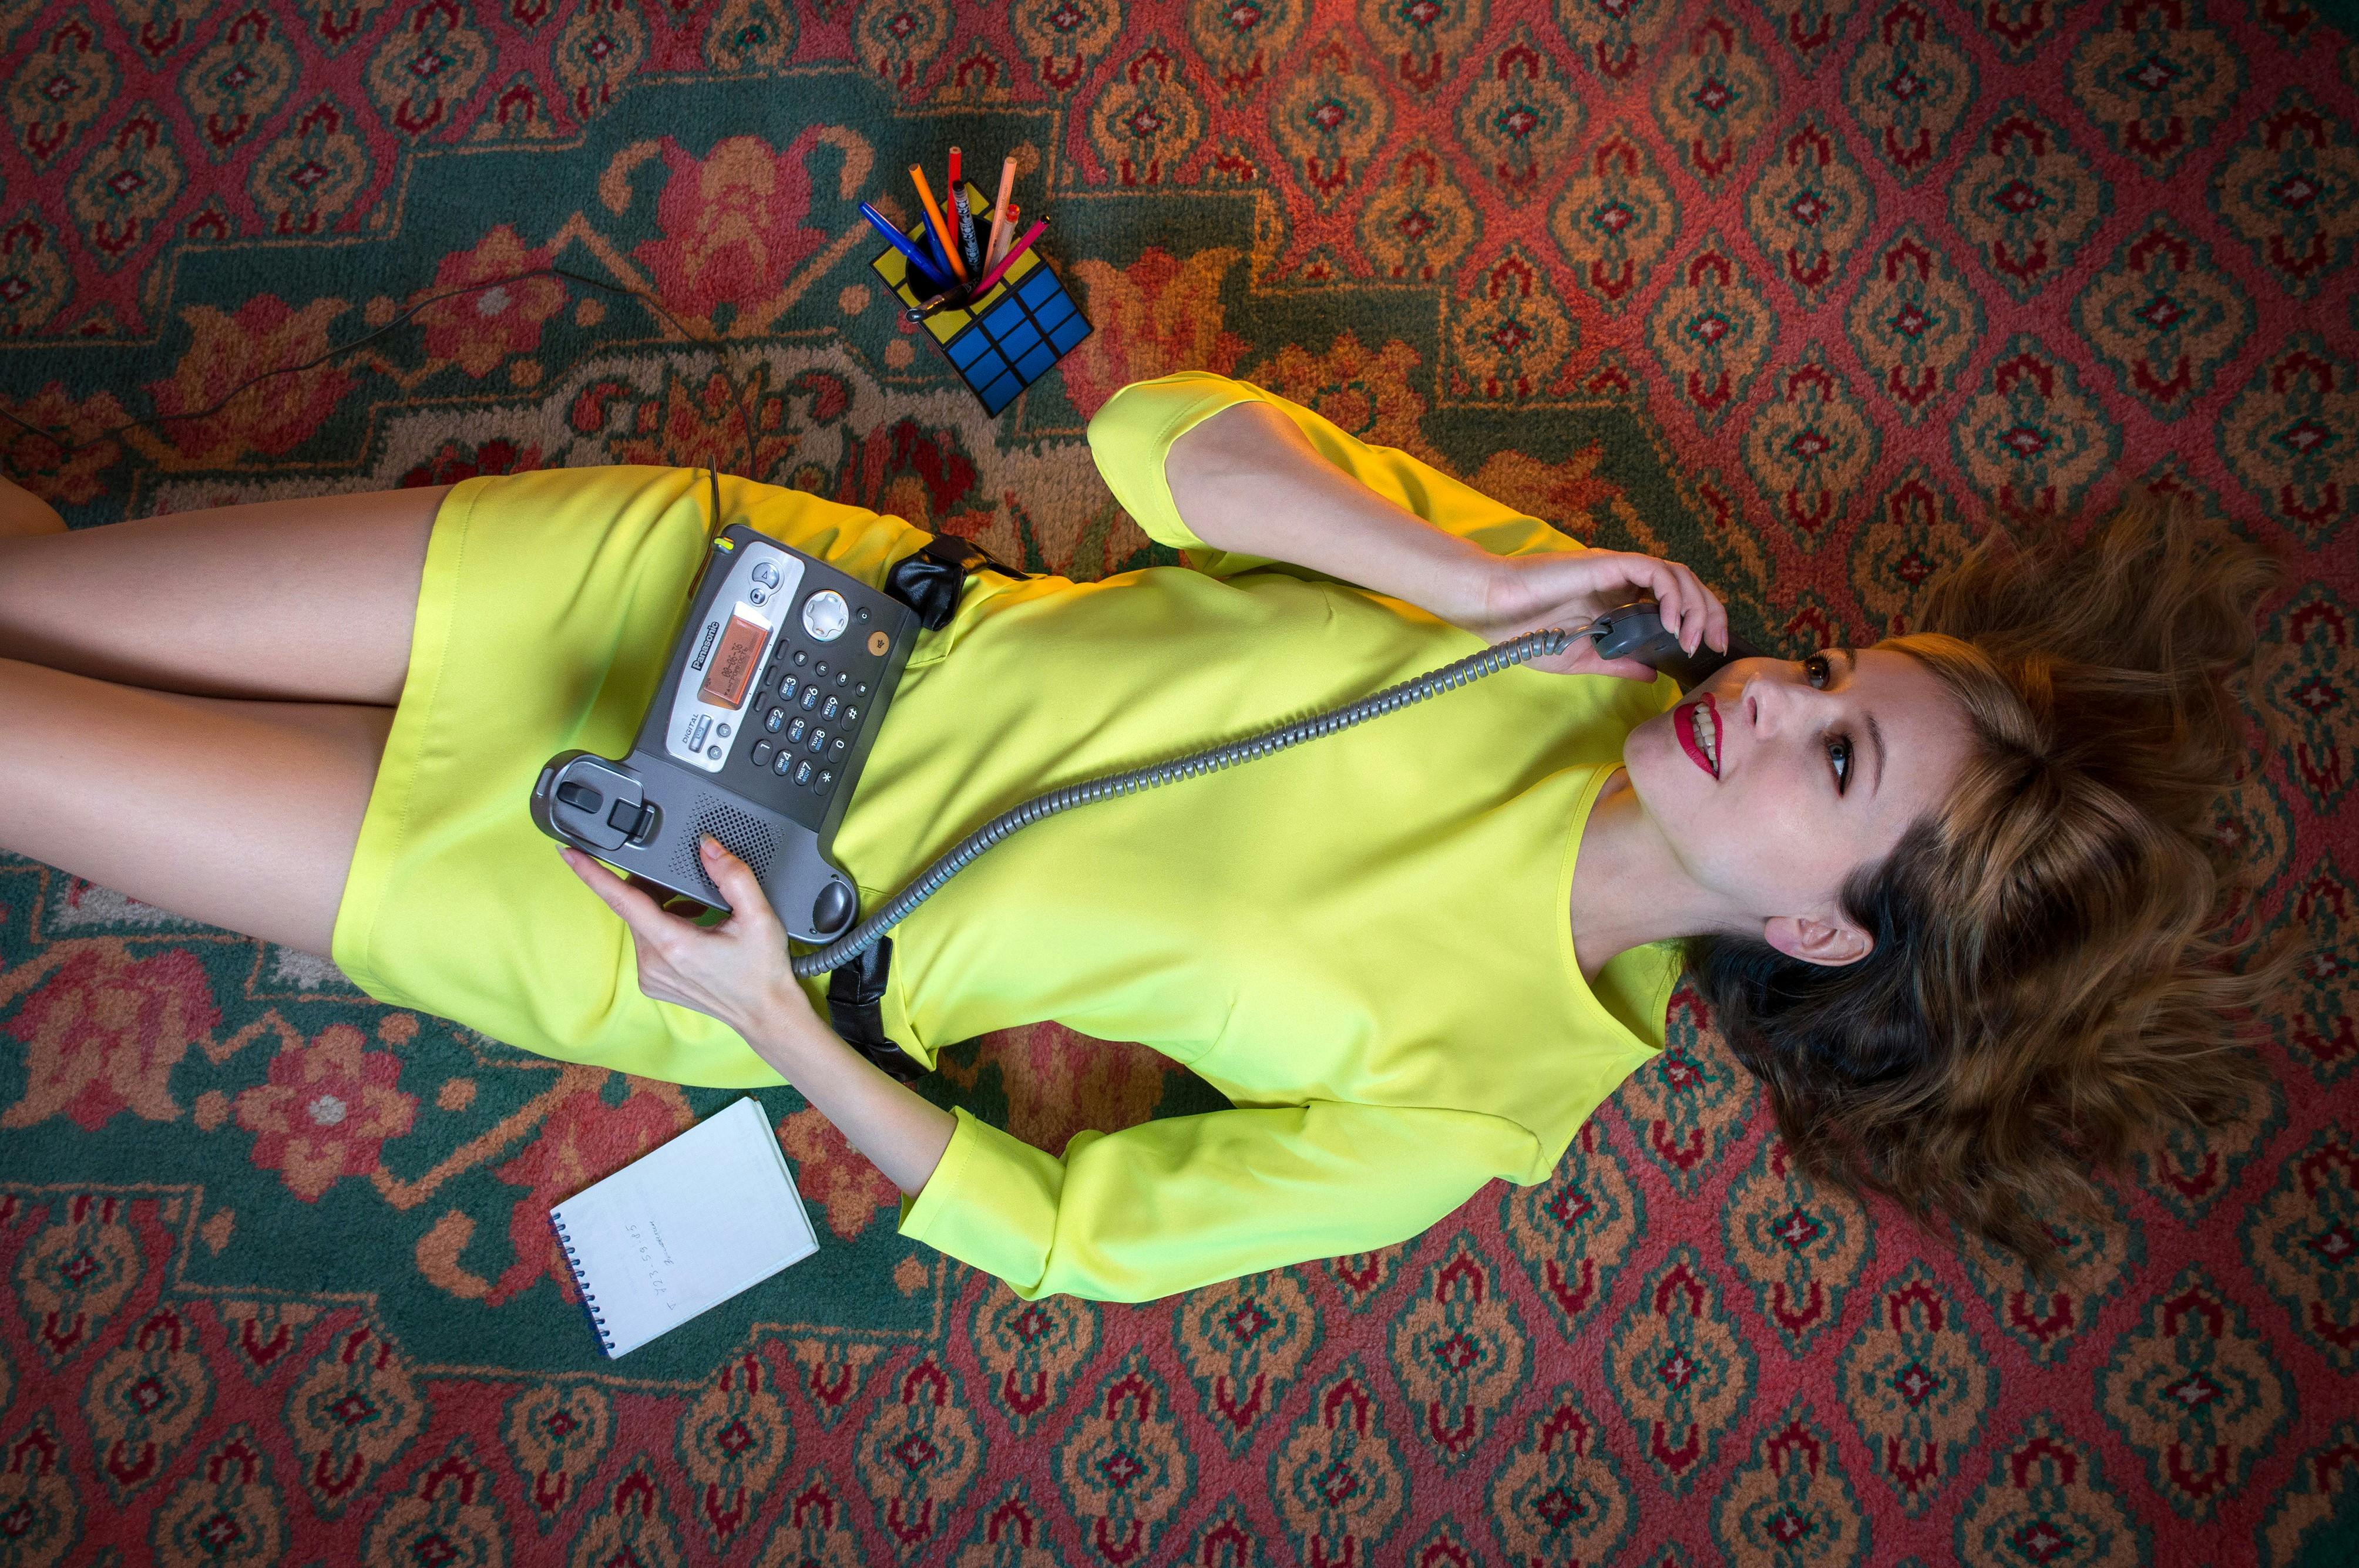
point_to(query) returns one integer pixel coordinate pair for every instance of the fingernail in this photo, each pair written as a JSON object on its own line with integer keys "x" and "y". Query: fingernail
{"x": 709, "y": 844}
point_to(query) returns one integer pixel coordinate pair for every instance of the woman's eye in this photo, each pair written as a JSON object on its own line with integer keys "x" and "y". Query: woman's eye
{"x": 1839, "y": 751}
{"x": 1818, "y": 670}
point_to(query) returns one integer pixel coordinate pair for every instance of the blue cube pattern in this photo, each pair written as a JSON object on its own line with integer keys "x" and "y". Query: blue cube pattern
{"x": 1026, "y": 326}
{"x": 1016, "y": 343}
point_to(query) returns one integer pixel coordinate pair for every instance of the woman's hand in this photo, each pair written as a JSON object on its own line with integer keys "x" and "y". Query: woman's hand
{"x": 738, "y": 971}
{"x": 1566, "y": 587}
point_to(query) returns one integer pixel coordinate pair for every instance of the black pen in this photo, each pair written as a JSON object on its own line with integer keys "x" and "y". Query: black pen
{"x": 967, "y": 242}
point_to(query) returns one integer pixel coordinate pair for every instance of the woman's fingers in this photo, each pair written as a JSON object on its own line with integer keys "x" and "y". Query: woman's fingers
{"x": 655, "y": 931}
{"x": 1628, "y": 669}
{"x": 1710, "y": 616}
{"x": 749, "y": 906}
{"x": 1695, "y": 606}
{"x": 731, "y": 971}
{"x": 1662, "y": 578}
{"x": 1691, "y": 612}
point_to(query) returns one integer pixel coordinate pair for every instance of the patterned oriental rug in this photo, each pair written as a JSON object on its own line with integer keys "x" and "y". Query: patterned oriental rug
{"x": 1793, "y": 293}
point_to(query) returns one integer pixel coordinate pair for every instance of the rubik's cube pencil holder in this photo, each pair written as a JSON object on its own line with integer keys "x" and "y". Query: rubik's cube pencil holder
{"x": 1005, "y": 340}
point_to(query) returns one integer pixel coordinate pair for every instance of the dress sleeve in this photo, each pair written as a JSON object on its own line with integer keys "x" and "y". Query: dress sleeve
{"x": 1130, "y": 436}
{"x": 1171, "y": 1204}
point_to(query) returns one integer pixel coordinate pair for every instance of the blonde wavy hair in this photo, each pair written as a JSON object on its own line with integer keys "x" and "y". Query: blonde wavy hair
{"x": 2053, "y": 983}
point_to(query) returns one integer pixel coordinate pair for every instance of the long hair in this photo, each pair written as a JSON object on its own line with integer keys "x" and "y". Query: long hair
{"x": 2052, "y": 982}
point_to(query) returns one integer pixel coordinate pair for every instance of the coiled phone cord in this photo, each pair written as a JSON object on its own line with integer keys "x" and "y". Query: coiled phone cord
{"x": 851, "y": 944}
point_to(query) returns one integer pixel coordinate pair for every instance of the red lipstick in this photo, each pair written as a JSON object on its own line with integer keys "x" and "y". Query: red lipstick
{"x": 1683, "y": 724}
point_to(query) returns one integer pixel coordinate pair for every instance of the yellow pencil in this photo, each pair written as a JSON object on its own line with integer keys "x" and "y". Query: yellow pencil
{"x": 1002, "y": 225}
{"x": 942, "y": 225}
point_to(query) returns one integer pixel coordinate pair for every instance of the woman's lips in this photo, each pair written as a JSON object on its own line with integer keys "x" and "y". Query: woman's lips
{"x": 1684, "y": 725}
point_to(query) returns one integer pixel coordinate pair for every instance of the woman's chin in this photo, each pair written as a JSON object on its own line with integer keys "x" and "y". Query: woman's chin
{"x": 1660, "y": 770}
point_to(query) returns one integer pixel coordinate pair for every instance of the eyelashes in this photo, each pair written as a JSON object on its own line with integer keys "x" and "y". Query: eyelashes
{"x": 1819, "y": 670}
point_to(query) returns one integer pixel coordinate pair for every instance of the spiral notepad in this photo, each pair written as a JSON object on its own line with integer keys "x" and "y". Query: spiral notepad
{"x": 684, "y": 1228}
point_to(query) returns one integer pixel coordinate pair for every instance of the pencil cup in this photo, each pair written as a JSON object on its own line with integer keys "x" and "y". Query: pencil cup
{"x": 1001, "y": 341}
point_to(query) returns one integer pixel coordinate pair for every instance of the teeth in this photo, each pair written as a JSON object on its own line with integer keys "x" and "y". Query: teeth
{"x": 1703, "y": 735}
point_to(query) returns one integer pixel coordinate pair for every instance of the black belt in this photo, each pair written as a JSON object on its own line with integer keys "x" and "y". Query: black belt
{"x": 929, "y": 582}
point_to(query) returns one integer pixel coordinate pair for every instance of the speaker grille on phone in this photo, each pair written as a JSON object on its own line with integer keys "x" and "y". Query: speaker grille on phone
{"x": 746, "y": 837}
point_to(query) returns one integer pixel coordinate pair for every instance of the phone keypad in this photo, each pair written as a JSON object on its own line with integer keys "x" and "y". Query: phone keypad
{"x": 808, "y": 714}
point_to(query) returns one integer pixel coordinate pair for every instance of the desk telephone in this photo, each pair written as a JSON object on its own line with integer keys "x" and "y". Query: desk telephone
{"x": 777, "y": 681}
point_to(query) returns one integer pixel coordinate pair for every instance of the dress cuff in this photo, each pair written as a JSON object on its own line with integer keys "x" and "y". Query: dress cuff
{"x": 991, "y": 1202}
{"x": 1130, "y": 436}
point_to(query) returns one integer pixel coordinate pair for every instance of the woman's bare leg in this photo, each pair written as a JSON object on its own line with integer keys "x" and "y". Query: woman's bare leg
{"x": 240, "y": 813}
{"x": 275, "y": 637}
{"x": 22, "y": 512}
{"x": 304, "y": 600}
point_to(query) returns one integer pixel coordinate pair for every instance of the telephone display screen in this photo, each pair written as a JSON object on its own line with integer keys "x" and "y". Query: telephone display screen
{"x": 732, "y": 670}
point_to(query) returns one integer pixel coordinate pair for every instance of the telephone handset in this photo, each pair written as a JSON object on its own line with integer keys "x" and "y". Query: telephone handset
{"x": 1637, "y": 632}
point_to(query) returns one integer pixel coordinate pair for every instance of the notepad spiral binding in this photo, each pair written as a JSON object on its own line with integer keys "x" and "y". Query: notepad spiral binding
{"x": 581, "y": 1283}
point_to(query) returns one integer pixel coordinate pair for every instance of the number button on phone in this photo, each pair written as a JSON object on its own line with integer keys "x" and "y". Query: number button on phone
{"x": 811, "y": 697}
{"x": 829, "y": 711}
{"x": 818, "y": 741}
{"x": 772, "y": 720}
{"x": 786, "y": 760}
{"x": 788, "y": 687}
{"x": 802, "y": 771}
{"x": 795, "y": 730}
{"x": 761, "y": 749}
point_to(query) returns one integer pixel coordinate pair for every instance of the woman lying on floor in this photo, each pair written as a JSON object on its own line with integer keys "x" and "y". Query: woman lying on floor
{"x": 1948, "y": 896}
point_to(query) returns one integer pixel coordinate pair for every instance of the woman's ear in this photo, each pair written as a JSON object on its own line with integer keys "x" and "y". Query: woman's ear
{"x": 1817, "y": 941}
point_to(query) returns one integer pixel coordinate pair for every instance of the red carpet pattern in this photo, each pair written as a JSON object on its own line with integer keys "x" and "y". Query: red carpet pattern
{"x": 1797, "y": 293}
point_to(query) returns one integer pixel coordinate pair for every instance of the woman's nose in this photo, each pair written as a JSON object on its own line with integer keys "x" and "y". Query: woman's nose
{"x": 1769, "y": 701}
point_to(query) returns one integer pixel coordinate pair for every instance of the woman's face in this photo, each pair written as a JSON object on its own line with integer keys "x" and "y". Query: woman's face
{"x": 1777, "y": 778}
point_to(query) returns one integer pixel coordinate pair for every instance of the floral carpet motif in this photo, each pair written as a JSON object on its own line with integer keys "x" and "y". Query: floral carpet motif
{"x": 1794, "y": 292}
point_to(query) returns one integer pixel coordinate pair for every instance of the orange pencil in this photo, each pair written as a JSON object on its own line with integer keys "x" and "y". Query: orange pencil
{"x": 1002, "y": 221}
{"x": 942, "y": 225}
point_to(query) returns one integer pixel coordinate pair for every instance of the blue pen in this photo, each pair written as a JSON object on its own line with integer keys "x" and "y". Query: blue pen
{"x": 941, "y": 258}
{"x": 935, "y": 275}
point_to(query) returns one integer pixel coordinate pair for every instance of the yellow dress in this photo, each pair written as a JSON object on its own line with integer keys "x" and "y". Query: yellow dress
{"x": 1363, "y": 942}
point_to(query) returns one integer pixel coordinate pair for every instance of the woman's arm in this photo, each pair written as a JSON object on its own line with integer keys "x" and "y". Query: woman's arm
{"x": 902, "y": 1133}
{"x": 738, "y": 972}
{"x": 1247, "y": 479}
{"x": 1186, "y": 1201}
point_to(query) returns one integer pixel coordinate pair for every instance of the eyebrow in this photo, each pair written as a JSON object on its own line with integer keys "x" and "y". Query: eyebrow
{"x": 1875, "y": 731}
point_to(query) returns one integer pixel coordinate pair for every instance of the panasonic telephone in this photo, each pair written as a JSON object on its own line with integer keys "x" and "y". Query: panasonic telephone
{"x": 777, "y": 681}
